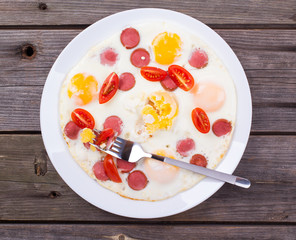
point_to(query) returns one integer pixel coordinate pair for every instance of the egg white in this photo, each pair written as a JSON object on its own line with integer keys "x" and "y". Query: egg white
{"x": 128, "y": 105}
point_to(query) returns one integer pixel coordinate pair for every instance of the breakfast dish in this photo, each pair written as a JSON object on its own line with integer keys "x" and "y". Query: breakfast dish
{"x": 54, "y": 136}
{"x": 156, "y": 84}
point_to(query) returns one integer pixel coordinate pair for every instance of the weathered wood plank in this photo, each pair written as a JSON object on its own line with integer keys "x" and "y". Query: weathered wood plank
{"x": 277, "y": 118}
{"x": 23, "y": 12}
{"x": 275, "y": 50}
{"x": 19, "y": 111}
{"x": 20, "y": 108}
{"x": 146, "y": 231}
{"x": 271, "y": 198}
{"x": 266, "y": 50}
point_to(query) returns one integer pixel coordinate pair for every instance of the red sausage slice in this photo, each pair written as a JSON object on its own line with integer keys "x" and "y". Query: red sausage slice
{"x": 126, "y": 81}
{"x": 108, "y": 57}
{"x": 198, "y": 59}
{"x": 140, "y": 58}
{"x": 185, "y": 146}
{"x": 199, "y": 160}
{"x": 71, "y": 130}
{"x": 137, "y": 180}
{"x": 221, "y": 127}
{"x": 168, "y": 84}
{"x": 125, "y": 166}
{"x": 130, "y": 38}
{"x": 115, "y": 123}
{"x": 99, "y": 171}
{"x": 86, "y": 145}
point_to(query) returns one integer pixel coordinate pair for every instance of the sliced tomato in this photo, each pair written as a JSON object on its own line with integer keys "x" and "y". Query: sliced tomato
{"x": 109, "y": 88}
{"x": 104, "y": 136}
{"x": 181, "y": 77}
{"x": 200, "y": 120}
{"x": 153, "y": 74}
{"x": 111, "y": 169}
{"x": 83, "y": 118}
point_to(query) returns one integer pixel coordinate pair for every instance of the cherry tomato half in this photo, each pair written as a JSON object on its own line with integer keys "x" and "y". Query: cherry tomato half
{"x": 111, "y": 169}
{"x": 104, "y": 136}
{"x": 83, "y": 118}
{"x": 200, "y": 120}
{"x": 109, "y": 88}
{"x": 181, "y": 77}
{"x": 153, "y": 74}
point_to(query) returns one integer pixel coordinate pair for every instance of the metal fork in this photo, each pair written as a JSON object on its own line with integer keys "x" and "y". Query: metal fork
{"x": 133, "y": 152}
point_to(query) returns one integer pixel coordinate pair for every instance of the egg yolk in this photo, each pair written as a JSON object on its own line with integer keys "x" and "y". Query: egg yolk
{"x": 87, "y": 135}
{"x": 209, "y": 96}
{"x": 166, "y": 47}
{"x": 164, "y": 153}
{"x": 82, "y": 89}
{"x": 160, "y": 111}
{"x": 159, "y": 171}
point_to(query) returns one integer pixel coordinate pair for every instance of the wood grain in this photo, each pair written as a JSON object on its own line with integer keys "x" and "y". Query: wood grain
{"x": 144, "y": 231}
{"x": 29, "y": 12}
{"x": 271, "y": 198}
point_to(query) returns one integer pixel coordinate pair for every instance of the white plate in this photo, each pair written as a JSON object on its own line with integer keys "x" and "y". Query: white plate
{"x": 70, "y": 171}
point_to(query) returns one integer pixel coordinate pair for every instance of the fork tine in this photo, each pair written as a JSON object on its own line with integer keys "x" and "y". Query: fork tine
{"x": 116, "y": 144}
{"x": 96, "y": 130}
{"x": 92, "y": 144}
{"x": 114, "y": 150}
{"x": 114, "y": 154}
{"x": 122, "y": 148}
{"x": 119, "y": 140}
{"x": 117, "y": 148}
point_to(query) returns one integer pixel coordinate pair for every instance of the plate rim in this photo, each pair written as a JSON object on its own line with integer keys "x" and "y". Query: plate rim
{"x": 137, "y": 211}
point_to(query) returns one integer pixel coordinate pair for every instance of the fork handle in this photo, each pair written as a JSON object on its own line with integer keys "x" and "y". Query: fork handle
{"x": 238, "y": 181}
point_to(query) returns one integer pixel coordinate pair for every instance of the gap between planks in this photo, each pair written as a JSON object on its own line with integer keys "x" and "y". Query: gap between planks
{"x": 150, "y": 222}
{"x": 213, "y": 26}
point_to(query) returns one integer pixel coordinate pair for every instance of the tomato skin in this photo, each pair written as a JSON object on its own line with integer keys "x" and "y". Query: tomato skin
{"x": 153, "y": 74}
{"x": 83, "y": 118}
{"x": 181, "y": 77}
{"x": 111, "y": 169}
{"x": 109, "y": 88}
{"x": 104, "y": 136}
{"x": 200, "y": 120}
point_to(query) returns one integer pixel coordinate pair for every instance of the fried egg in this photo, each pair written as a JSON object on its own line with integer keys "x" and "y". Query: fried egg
{"x": 151, "y": 115}
{"x": 166, "y": 47}
{"x": 82, "y": 88}
{"x": 160, "y": 111}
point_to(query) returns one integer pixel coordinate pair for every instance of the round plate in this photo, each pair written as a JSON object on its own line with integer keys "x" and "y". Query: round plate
{"x": 57, "y": 148}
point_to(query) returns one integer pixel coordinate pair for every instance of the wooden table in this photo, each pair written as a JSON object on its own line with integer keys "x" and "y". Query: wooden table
{"x": 35, "y": 203}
